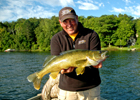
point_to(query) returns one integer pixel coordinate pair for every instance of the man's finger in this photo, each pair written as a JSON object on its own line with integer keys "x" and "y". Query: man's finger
{"x": 62, "y": 71}
{"x": 100, "y": 65}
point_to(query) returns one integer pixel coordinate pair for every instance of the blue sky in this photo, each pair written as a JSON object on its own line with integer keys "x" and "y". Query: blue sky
{"x": 11, "y": 10}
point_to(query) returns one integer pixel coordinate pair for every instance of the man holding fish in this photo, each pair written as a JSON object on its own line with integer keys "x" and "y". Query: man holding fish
{"x": 85, "y": 86}
{"x": 76, "y": 55}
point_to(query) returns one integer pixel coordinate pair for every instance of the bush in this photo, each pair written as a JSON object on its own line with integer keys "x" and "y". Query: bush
{"x": 34, "y": 47}
{"x": 103, "y": 44}
{"x": 48, "y": 48}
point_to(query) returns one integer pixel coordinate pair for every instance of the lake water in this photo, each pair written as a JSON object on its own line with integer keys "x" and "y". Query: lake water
{"x": 120, "y": 75}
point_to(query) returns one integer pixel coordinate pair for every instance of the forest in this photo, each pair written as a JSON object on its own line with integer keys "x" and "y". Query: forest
{"x": 35, "y": 34}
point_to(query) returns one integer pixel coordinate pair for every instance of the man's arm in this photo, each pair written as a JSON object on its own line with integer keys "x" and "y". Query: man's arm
{"x": 55, "y": 46}
{"x": 95, "y": 41}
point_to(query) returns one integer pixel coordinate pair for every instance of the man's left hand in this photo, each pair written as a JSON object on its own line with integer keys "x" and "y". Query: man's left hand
{"x": 98, "y": 66}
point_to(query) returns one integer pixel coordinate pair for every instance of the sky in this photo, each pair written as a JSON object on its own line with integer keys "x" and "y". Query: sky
{"x": 11, "y": 10}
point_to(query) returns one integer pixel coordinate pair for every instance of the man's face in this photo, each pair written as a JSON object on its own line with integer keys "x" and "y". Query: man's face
{"x": 70, "y": 25}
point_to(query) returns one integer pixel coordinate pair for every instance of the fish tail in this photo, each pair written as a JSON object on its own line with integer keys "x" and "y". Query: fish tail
{"x": 36, "y": 81}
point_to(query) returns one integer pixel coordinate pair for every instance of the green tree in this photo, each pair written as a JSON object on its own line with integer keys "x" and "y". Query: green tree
{"x": 105, "y": 26}
{"x": 124, "y": 32}
{"x": 33, "y": 33}
{"x": 24, "y": 34}
{"x": 6, "y": 39}
{"x": 138, "y": 32}
{"x": 89, "y": 23}
{"x": 81, "y": 19}
{"x": 44, "y": 32}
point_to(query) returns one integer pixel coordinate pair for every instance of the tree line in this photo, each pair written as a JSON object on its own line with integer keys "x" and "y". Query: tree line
{"x": 35, "y": 34}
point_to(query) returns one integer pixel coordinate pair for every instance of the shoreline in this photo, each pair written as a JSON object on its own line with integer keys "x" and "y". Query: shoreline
{"x": 104, "y": 48}
{"x": 120, "y": 49}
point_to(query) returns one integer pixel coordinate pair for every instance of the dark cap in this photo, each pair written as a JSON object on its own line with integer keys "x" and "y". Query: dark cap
{"x": 66, "y": 12}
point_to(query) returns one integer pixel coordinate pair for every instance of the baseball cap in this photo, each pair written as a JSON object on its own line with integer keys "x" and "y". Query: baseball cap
{"x": 66, "y": 12}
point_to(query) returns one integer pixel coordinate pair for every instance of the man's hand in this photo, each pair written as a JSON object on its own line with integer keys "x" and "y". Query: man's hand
{"x": 98, "y": 66}
{"x": 69, "y": 70}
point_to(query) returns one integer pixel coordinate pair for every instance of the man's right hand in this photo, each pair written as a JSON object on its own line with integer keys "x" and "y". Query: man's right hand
{"x": 69, "y": 70}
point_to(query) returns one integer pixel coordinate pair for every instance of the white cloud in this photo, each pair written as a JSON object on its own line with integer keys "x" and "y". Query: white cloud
{"x": 37, "y": 12}
{"x": 87, "y": 6}
{"x": 101, "y": 4}
{"x": 5, "y": 14}
{"x": 14, "y": 9}
{"x": 134, "y": 10}
{"x": 49, "y": 2}
{"x": 66, "y": 3}
{"x": 119, "y": 10}
{"x": 53, "y": 3}
{"x": 137, "y": 11}
{"x": 127, "y": 1}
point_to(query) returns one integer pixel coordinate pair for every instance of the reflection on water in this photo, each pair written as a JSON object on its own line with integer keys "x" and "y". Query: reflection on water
{"x": 120, "y": 75}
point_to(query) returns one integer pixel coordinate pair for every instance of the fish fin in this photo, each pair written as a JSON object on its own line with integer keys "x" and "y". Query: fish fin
{"x": 83, "y": 71}
{"x": 31, "y": 77}
{"x": 36, "y": 81}
{"x": 80, "y": 70}
{"x": 48, "y": 59}
{"x": 54, "y": 75}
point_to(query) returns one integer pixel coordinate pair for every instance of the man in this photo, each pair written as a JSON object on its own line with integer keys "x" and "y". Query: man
{"x": 75, "y": 36}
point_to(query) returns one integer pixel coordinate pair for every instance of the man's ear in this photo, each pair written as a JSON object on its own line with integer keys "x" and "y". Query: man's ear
{"x": 60, "y": 22}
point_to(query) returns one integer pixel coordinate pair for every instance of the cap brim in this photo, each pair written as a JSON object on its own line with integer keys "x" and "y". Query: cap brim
{"x": 67, "y": 17}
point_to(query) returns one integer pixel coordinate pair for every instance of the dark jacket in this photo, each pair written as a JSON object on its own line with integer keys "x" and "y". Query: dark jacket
{"x": 86, "y": 39}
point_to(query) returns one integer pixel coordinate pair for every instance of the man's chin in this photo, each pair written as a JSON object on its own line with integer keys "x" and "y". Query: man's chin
{"x": 70, "y": 33}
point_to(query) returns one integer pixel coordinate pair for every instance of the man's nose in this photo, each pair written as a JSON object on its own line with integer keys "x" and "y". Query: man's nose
{"x": 69, "y": 23}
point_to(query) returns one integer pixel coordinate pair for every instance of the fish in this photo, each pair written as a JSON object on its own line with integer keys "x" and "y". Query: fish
{"x": 72, "y": 58}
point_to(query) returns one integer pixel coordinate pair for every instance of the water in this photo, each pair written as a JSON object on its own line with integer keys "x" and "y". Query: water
{"x": 120, "y": 75}
{"x": 14, "y": 69}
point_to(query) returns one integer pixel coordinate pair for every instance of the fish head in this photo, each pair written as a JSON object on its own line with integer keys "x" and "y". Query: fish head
{"x": 97, "y": 57}
{"x": 103, "y": 54}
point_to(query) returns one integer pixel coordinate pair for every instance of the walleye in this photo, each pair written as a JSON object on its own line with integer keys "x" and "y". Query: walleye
{"x": 73, "y": 58}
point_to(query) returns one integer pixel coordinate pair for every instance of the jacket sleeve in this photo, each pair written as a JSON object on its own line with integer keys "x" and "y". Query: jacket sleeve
{"x": 55, "y": 46}
{"x": 95, "y": 42}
